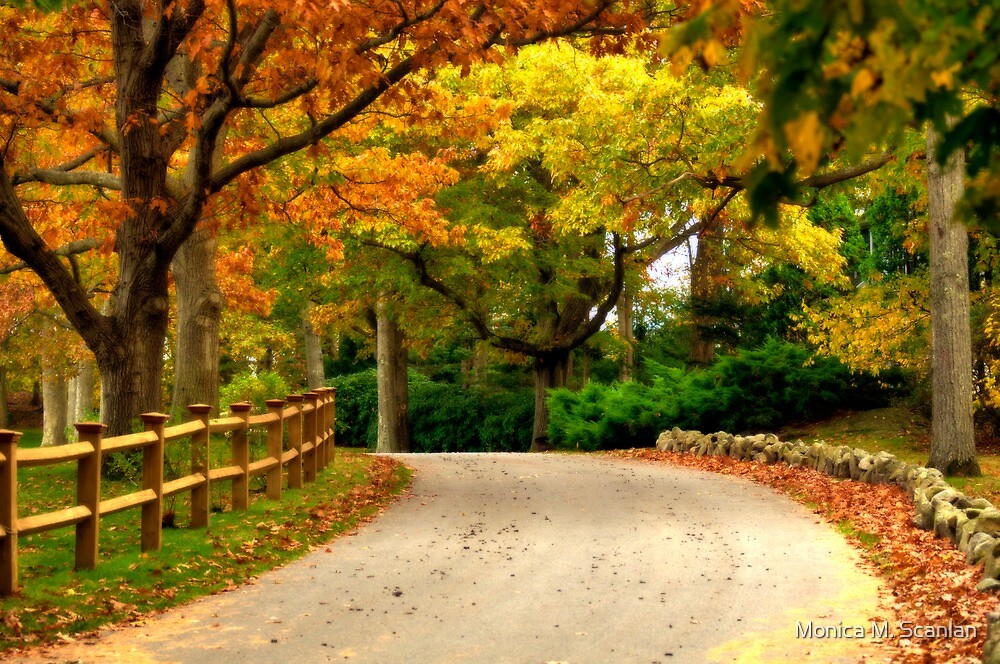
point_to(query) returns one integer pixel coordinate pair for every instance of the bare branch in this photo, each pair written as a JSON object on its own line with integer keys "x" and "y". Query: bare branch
{"x": 71, "y": 178}
{"x": 70, "y": 165}
{"x": 70, "y": 249}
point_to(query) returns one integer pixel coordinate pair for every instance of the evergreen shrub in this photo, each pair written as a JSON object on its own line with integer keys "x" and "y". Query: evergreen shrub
{"x": 444, "y": 417}
{"x": 752, "y": 391}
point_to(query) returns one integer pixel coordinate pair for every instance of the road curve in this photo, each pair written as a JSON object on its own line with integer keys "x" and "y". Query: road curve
{"x": 539, "y": 558}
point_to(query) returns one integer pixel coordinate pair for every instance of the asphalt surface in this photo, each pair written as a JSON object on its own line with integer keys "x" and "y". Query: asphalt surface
{"x": 539, "y": 558}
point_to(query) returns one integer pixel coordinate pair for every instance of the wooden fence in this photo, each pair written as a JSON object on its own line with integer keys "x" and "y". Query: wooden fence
{"x": 311, "y": 447}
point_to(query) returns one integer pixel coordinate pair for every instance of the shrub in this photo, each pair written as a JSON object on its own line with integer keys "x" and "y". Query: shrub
{"x": 443, "y": 417}
{"x": 255, "y": 387}
{"x": 754, "y": 390}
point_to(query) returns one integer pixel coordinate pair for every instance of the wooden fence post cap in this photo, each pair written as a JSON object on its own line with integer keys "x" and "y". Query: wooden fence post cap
{"x": 8, "y": 436}
{"x": 90, "y": 427}
{"x": 240, "y": 407}
{"x": 310, "y": 396}
{"x": 294, "y": 398}
{"x": 275, "y": 403}
{"x": 154, "y": 418}
{"x": 334, "y": 390}
{"x": 199, "y": 409}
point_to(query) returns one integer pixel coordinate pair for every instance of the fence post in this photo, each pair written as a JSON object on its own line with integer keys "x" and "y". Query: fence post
{"x": 152, "y": 478}
{"x": 320, "y": 429}
{"x": 309, "y": 436}
{"x": 333, "y": 425}
{"x": 327, "y": 434}
{"x": 241, "y": 456}
{"x": 88, "y": 493}
{"x": 295, "y": 442}
{"x": 274, "y": 429}
{"x": 201, "y": 501}
{"x": 8, "y": 511}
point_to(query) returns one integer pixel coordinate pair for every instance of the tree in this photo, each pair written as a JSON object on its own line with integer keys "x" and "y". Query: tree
{"x": 393, "y": 389}
{"x": 849, "y": 75}
{"x": 176, "y": 79}
{"x": 954, "y": 451}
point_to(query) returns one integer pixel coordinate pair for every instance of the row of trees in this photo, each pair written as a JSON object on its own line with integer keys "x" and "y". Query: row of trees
{"x": 384, "y": 171}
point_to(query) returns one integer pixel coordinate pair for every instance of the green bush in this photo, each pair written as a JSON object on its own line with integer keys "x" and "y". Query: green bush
{"x": 443, "y": 417}
{"x": 255, "y": 387}
{"x": 755, "y": 390}
{"x": 357, "y": 409}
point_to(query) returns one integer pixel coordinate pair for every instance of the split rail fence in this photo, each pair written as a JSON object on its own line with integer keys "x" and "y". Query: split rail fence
{"x": 310, "y": 448}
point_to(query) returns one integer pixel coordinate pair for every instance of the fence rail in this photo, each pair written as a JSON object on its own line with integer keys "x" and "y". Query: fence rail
{"x": 311, "y": 447}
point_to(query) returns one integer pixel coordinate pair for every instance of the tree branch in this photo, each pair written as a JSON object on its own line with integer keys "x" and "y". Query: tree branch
{"x": 69, "y": 249}
{"x": 22, "y": 240}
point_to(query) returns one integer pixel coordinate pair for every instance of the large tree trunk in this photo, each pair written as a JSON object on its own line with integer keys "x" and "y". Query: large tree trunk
{"x": 953, "y": 450}
{"x": 199, "y": 316}
{"x": 704, "y": 294}
{"x": 55, "y": 405}
{"x": 314, "y": 352}
{"x": 550, "y": 373}
{"x": 393, "y": 390}
{"x": 626, "y": 332}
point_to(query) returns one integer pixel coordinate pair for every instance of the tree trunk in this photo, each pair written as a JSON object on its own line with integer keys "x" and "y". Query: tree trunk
{"x": 4, "y": 412}
{"x": 84, "y": 405}
{"x": 626, "y": 332}
{"x": 550, "y": 373}
{"x": 704, "y": 293}
{"x": 55, "y": 406}
{"x": 393, "y": 390}
{"x": 314, "y": 352}
{"x": 199, "y": 316}
{"x": 953, "y": 450}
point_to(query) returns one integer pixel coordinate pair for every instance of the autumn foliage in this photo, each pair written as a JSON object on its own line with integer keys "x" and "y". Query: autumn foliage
{"x": 929, "y": 582}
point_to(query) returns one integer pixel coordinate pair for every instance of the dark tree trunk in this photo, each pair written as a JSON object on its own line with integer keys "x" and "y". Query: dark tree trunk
{"x": 550, "y": 373}
{"x": 704, "y": 294}
{"x": 953, "y": 450}
{"x": 624, "y": 310}
{"x": 199, "y": 316}
{"x": 393, "y": 390}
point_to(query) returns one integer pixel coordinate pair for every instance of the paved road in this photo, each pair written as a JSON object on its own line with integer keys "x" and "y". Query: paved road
{"x": 539, "y": 558}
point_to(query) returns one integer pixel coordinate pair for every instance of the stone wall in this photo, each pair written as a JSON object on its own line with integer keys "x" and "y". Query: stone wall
{"x": 973, "y": 524}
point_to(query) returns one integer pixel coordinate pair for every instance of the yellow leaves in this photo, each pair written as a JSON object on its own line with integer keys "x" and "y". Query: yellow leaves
{"x": 714, "y": 53}
{"x": 806, "y": 137}
{"x": 497, "y": 244}
{"x": 945, "y": 78}
{"x": 863, "y": 81}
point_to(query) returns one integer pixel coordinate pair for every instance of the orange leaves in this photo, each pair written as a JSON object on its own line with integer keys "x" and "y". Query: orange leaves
{"x": 927, "y": 578}
{"x": 235, "y": 275}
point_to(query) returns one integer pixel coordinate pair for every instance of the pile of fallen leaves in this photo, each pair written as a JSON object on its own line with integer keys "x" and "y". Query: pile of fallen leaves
{"x": 928, "y": 578}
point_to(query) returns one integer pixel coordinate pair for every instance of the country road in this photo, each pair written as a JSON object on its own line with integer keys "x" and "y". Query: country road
{"x": 538, "y": 558}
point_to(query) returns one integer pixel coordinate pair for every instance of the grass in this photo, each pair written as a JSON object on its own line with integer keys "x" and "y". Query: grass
{"x": 55, "y": 601}
{"x": 903, "y": 433}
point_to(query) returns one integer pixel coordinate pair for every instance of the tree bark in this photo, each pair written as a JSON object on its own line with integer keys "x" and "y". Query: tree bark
{"x": 55, "y": 405}
{"x": 550, "y": 373}
{"x": 199, "y": 316}
{"x": 314, "y": 352}
{"x": 953, "y": 450}
{"x": 704, "y": 294}
{"x": 393, "y": 389}
{"x": 84, "y": 391}
{"x": 626, "y": 332}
